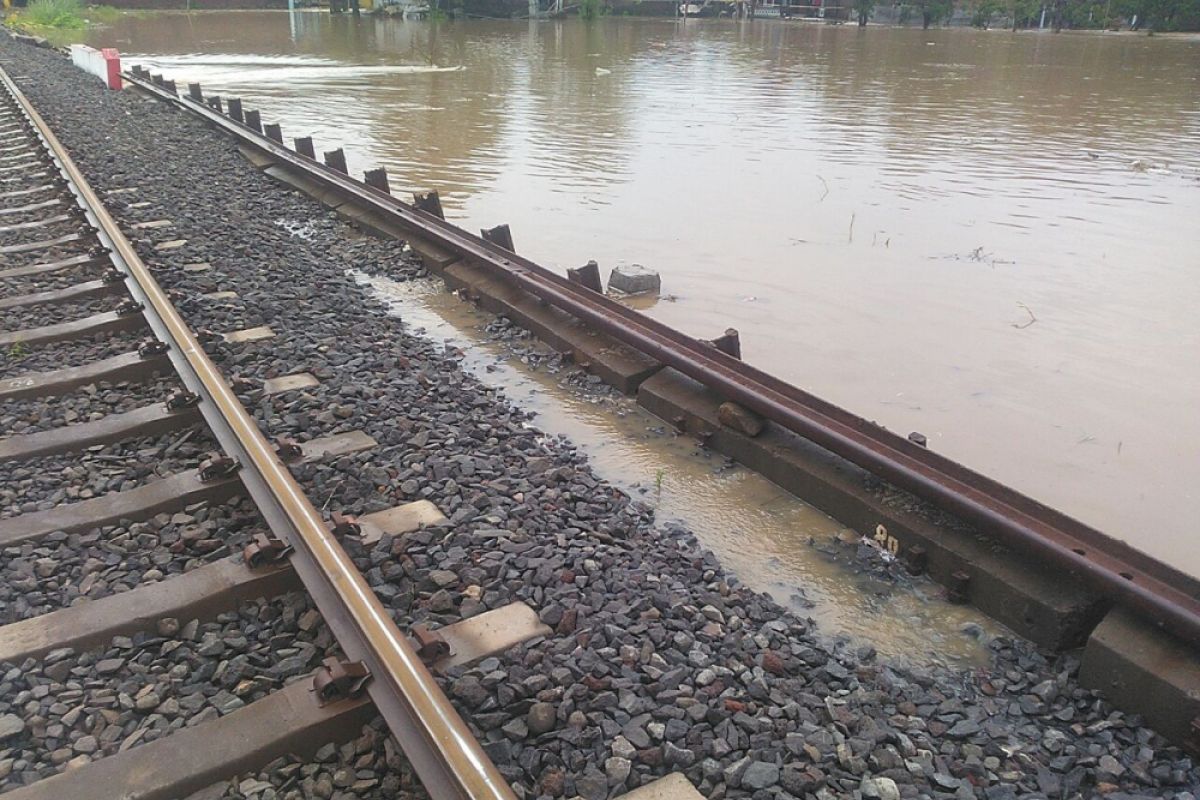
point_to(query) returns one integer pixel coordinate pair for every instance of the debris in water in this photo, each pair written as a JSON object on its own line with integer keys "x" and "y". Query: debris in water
{"x": 1023, "y": 325}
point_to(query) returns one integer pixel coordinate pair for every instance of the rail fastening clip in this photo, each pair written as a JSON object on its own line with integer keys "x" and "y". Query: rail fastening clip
{"x": 337, "y": 680}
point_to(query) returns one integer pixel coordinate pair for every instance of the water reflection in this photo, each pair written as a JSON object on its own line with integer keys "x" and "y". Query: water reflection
{"x": 986, "y": 237}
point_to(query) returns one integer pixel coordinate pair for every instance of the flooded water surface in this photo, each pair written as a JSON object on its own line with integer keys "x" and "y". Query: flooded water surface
{"x": 992, "y": 239}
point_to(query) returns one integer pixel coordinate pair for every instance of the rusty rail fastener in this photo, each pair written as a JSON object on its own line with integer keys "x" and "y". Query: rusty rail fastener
{"x": 206, "y": 336}
{"x": 377, "y": 179}
{"x": 304, "y": 146}
{"x": 182, "y": 399}
{"x": 431, "y": 647}
{"x": 153, "y": 348}
{"x": 343, "y": 525}
{"x": 729, "y": 343}
{"x": 336, "y": 159}
{"x": 956, "y": 587}
{"x": 429, "y": 202}
{"x": 265, "y": 550}
{"x": 337, "y": 680}
{"x": 240, "y": 383}
{"x": 1192, "y": 742}
{"x": 113, "y": 275}
{"x": 587, "y": 276}
{"x": 501, "y": 236}
{"x": 288, "y": 449}
{"x": 129, "y": 307}
{"x": 218, "y": 466}
{"x": 916, "y": 559}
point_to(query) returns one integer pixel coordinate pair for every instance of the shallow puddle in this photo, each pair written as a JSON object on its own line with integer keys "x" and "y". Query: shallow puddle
{"x": 771, "y": 540}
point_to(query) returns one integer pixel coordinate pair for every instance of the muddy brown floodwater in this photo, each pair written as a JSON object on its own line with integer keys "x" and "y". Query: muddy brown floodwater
{"x": 990, "y": 238}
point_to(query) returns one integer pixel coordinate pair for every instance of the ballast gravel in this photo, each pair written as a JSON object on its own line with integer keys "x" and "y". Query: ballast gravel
{"x": 368, "y": 767}
{"x": 20, "y": 358}
{"x": 14, "y": 286}
{"x": 36, "y": 316}
{"x": 69, "y": 708}
{"x": 659, "y": 660}
{"x": 88, "y": 404}
{"x": 44, "y": 255}
{"x": 61, "y": 569}
{"x": 43, "y": 483}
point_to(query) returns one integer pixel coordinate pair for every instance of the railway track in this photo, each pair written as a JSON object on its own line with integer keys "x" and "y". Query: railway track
{"x": 1167, "y": 597}
{"x": 129, "y": 597}
{"x": 658, "y": 662}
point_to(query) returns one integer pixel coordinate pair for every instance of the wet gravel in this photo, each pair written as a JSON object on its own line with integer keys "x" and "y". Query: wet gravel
{"x": 660, "y": 661}
{"x": 43, "y": 483}
{"x": 87, "y": 404}
{"x": 63, "y": 569}
{"x": 48, "y": 254}
{"x": 45, "y": 281}
{"x": 23, "y": 317}
{"x": 19, "y": 358}
{"x": 71, "y": 708}
{"x": 46, "y": 231}
{"x": 369, "y": 767}
{"x": 11, "y": 217}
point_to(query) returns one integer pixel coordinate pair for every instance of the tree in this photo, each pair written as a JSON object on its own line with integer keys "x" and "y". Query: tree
{"x": 934, "y": 11}
{"x": 982, "y": 12}
{"x": 1161, "y": 15}
{"x": 1022, "y": 11}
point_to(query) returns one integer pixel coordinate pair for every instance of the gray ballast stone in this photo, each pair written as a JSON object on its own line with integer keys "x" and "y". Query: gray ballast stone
{"x": 10, "y": 725}
{"x": 634, "y": 279}
{"x": 760, "y": 775}
{"x": 879, "y": 789}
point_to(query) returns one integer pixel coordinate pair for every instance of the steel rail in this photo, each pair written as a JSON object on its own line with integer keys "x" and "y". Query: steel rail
{"x": 446, "y": 757}
{"x": 1169, "y": 597}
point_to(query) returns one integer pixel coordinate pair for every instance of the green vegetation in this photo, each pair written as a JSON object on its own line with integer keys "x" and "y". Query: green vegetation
{"x": 983, "y": 11}
{"x": 591, "y": 9}
{"x": 17, "y": 350}
{"x": 107, "y": 15}
{"x": 1022, "y": 13}
{"x": 57, "y": 19}
{"x": 1161, "y": 15}
{"x": 54, "y": 14}
{"x": 934, "y": 11}
{"x": 63, "y": 22}
{"x": 1149, "y": 15}
{"x": 862, "y": 10}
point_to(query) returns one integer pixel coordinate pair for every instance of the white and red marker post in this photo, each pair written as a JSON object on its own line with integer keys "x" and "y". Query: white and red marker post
{"x": 105, "y": 64}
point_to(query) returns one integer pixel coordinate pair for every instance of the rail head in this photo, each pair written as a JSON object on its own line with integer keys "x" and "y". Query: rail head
{"x": 447, "y": 758}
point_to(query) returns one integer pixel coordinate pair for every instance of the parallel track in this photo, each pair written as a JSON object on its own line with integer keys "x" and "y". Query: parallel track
{"x": 449, "y": 761}
{"x": 1168, "y": 597}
